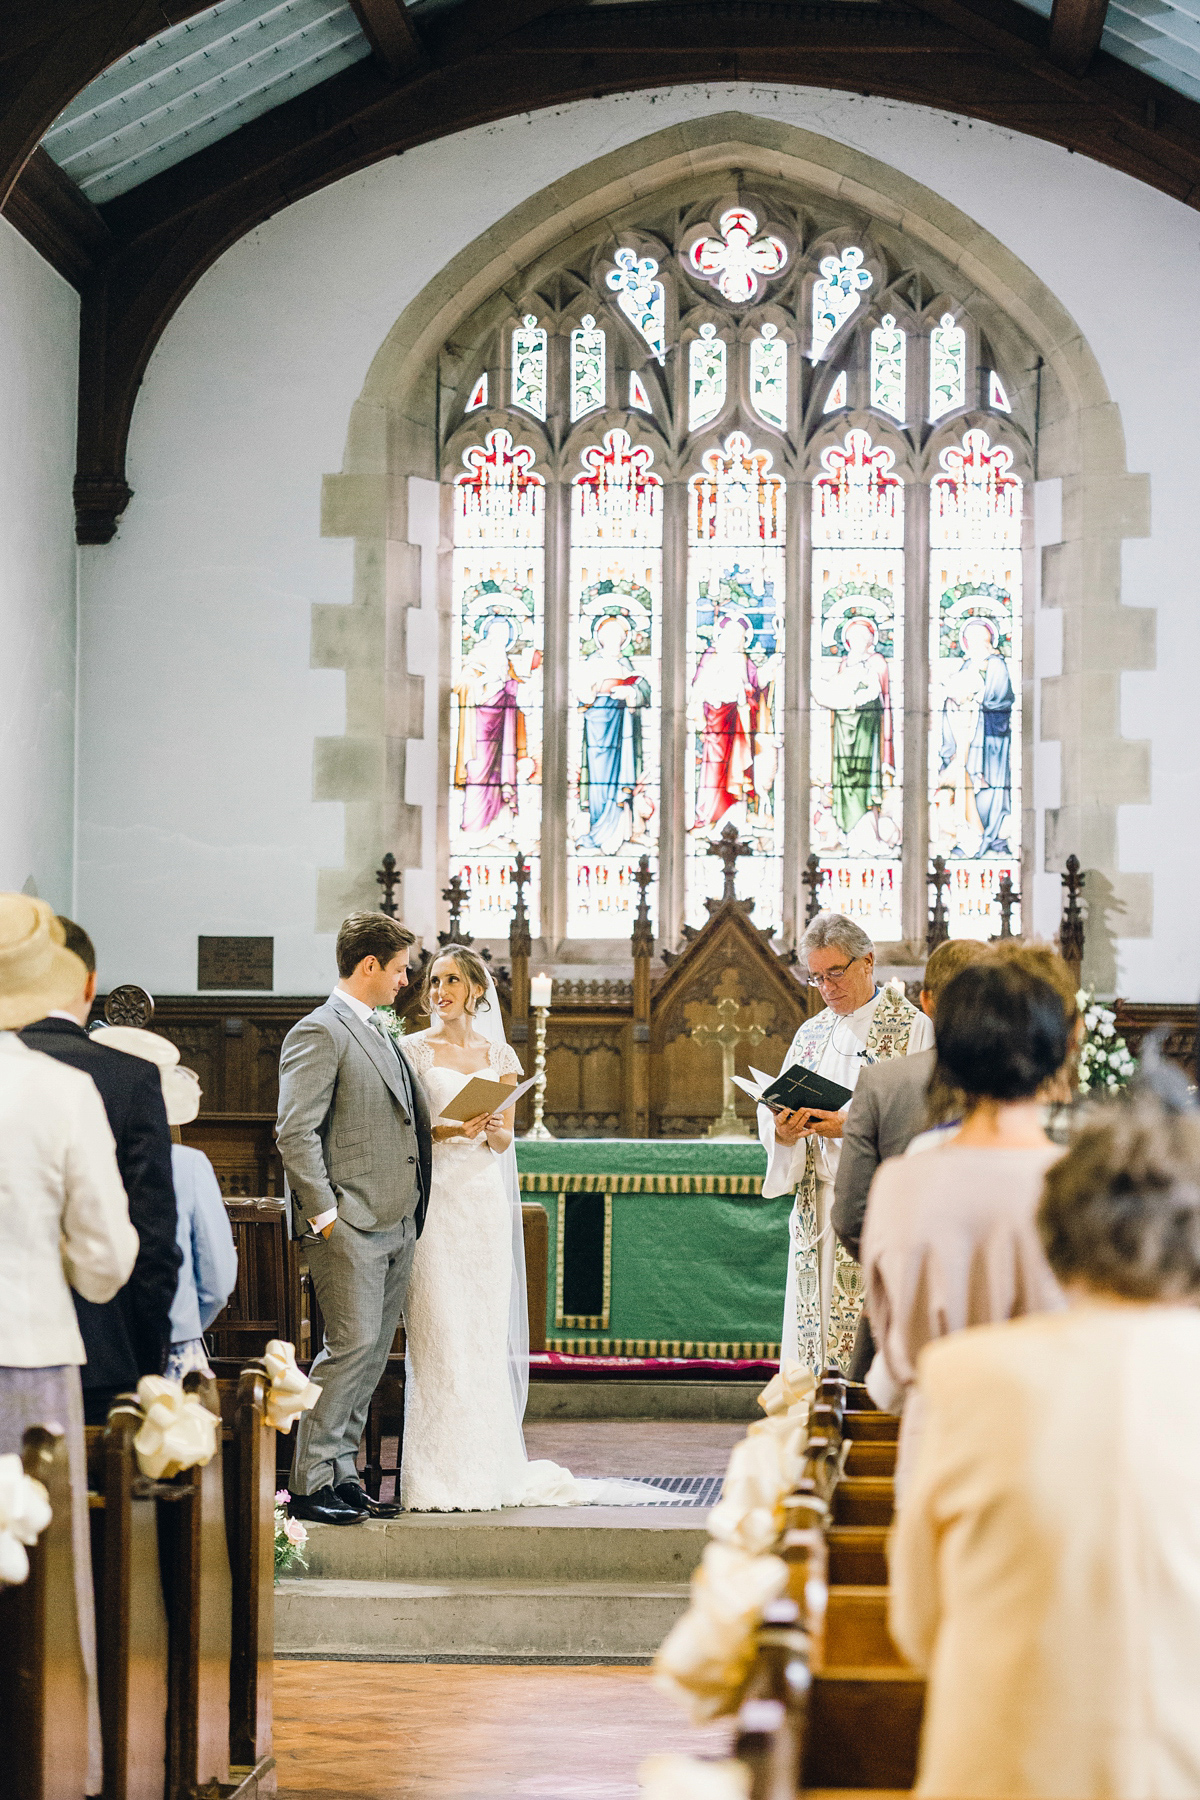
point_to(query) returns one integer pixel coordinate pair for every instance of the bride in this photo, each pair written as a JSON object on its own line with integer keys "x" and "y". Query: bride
{"x": 466, "y": 1320}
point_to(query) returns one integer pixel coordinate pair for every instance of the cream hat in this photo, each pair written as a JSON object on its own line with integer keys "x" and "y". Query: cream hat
{"x": 181, "y": 1087}
{"x": 37, "y": 973}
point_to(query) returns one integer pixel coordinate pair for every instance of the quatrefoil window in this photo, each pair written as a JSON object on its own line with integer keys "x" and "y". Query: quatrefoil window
{"x": 739, "y": 263}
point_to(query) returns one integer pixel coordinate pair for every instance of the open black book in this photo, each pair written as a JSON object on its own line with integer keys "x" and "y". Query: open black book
{"x": 795, "y": 1088}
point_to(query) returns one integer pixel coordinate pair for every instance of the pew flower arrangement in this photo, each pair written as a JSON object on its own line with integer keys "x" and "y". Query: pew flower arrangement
{"x": 178, "y": 1432}
{"x": 24, "y": 1515}
{"x": 673, "y": 1777}
{"x": 291, "y": 1391}
{"x": 290, "y": 1537}
{"x": 1106, "y": 1063}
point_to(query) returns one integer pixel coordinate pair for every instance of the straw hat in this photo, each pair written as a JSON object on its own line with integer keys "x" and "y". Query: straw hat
{"x": 37, "y": 973}
{"x": 181, "y": 1087}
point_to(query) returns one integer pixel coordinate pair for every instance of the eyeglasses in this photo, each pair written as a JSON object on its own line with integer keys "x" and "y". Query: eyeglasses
{"x": 833, "y": 975}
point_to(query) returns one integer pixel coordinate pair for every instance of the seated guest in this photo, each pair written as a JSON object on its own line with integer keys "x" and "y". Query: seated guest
{"x": 208, "y": 1272}
{"x": 1045, "y": 1569}
{"x": 949, "y": 1238}
{"x": 64, "y": 1219}
{"x": 886, "y": 1113}
{"x": 131, "y": 1335}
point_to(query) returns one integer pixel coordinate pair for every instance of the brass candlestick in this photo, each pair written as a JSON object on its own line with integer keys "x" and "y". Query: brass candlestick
{"x": 538, "y": 1129}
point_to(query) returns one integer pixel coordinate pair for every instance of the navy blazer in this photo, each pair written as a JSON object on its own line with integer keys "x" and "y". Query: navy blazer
{"x": 131, "y": 1335}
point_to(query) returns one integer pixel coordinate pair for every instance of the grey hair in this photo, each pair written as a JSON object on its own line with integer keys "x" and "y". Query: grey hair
{"x": 834, "y": 931}
{"x": 1120, "y": 1213}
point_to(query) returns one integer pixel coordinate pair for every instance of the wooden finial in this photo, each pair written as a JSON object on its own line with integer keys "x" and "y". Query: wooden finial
{"x": 814, "y": 879}
{"x": 456, "y": 895}
{"x": 1070, "y": 930}
{"x": 643, "y": 931}
{"x": 1006, "y": 898}
{"x": 388, "y": 876}
{"x": 519, "y": 941}
{"x": 939, "y": 930}
{"x": 729, "y": 846}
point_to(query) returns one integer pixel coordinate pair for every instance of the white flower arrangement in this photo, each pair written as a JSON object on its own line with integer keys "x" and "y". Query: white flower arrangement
{"x": 290, "y": 1537}
{"x": 24, "y": 1515}
{"x": 1106, "y": 1063}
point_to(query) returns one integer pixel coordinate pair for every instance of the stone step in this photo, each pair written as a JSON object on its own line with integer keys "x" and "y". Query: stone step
{"x": 639, "y": 1545}
{"x": 704, "y": 1401}
{"x": 856, "y": 1633}
{"x": 864, "y": 1728}
{"x": 468, "y": 1621}
{"x": 864, "y": 1500}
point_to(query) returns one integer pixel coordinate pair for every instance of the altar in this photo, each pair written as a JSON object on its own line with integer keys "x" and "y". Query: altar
{"x": 659, "y": 1247}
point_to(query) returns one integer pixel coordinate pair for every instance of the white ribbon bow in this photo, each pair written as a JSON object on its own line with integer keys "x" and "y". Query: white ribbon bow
{"x": 291, "y": 1391}
{"x": 672, "y": 1777}
{"x": 24, "y": 1515}
{"x": 178, "y": 1432}
{"x": 706, "y": 1656}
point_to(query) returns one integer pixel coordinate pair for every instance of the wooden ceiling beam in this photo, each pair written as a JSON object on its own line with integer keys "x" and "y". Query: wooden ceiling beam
{"x": 1075, "y": 30}
{"x": 166, "y": 232}
{"x": 389, "y": 29}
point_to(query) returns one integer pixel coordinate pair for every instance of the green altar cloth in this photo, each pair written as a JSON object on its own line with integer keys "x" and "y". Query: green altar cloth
{"x": 660, "y": 1246}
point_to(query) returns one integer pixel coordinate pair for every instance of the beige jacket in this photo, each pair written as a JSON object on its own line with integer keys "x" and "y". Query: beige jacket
{"x": 1045, "y": 1569}
{"x": 64, "y": 1217}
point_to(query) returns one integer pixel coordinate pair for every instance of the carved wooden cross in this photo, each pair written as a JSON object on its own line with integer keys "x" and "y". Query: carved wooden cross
{"x": 939, "y": 930}
{"x": 813, "y": 879}
{"x": 388, "y": 877}
{"x": 1006, "y": 898}
{"x": 728, "y": 1035}
{"x": 729, "y": 847}
{"x": 643, "y": 934}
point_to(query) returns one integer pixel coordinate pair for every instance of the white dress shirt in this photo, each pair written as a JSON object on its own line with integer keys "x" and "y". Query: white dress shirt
{"x": 64, "y": 1217}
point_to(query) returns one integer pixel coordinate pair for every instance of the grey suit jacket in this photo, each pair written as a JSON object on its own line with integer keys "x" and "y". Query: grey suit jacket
{"x": 344, "y": 1128}
{"x": 886, "y": 1113}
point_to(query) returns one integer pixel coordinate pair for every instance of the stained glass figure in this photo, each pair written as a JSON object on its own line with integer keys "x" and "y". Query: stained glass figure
{"x": 587, "y": 368}
{"x": 857, "y": 698}
{"x": 887, "y": 368}
{"x": 837, "y": 293}
{"x": 735, "y": 650}
{"x": 947, "y": 367}
{"x": 641, "y": 297}
{"x": 479, "y": 394}
{"x": 997, "y": 395}
{"x": 838, "y": 395}
{"x": 975, "y": 523}
{"x": 495, "y": 677}
{"x": 639, "y": 399}
{"x": 529, "y": 367}
{"x": 738, "y": 262}
{"x": 614, "y": 683}
{"x": 706, "y": 377}
{"x": 768, "y": 376}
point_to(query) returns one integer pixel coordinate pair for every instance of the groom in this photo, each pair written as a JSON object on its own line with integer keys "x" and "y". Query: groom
{"x": 353, "y": 1132}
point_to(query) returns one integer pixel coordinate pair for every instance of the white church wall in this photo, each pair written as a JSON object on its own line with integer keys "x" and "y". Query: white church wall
{"x": 197, "y": 815}
{"x": 39, "y": 334}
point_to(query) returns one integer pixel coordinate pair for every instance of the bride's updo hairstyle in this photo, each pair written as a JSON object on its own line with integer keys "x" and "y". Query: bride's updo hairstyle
{"x": 470, "y": 967}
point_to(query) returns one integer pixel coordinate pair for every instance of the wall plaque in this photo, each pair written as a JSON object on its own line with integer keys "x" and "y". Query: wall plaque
{"x": 236, "y": 962}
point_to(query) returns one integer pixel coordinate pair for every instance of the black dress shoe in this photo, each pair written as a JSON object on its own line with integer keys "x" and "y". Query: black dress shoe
{"x": 324, "y": 1508}
{"x": 353, "y": 1495}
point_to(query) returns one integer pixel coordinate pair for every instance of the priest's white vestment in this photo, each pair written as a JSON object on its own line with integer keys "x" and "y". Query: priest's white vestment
{"x": 824, "y": 1293}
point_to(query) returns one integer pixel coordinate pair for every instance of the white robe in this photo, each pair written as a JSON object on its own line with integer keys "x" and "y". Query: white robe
{"x": 841, "y": 1060}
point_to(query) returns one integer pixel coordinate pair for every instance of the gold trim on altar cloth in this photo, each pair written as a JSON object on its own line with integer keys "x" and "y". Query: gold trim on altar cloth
{"x": 641, "y": 1184}
{"x": 676, "y": 1347}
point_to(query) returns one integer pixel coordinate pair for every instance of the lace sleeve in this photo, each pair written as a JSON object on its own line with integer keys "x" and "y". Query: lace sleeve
{"x": 419, "y": 1051}
{"x": 504, "y": 1060}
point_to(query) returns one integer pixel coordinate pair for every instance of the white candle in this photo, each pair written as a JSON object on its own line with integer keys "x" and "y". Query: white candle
{"x": 540, "y": 989}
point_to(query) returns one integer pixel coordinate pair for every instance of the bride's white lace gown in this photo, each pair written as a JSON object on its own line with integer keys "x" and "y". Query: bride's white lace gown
{"x": 463, "y": 1450}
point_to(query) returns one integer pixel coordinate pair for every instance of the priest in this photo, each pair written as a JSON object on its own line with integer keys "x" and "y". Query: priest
{"x": 860, "y": 1023}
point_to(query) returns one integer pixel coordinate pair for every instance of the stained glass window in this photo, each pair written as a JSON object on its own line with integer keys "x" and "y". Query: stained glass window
{"x": 614, "y": 682}
{"x": 639, "y": 399}
{"x": 587, "y": 368}
{"x": 479, "y": 394}
{"x": 495, "y": 677}
{"x": 738, "y": 262}
{"x": 706, "y": 377}
{"x": 836, "y": 294}
{"x": 529, "y": 367}
{"x": 887, "y": 368}
{"x": 768, "y": 376}
{"x": 857, "y": 697}
{"x": 642, "y": 297}
{"x": 837, "y": 397}
{"x": 735, "y": 649}
{"x": 997, "y": 395}
{"x": 975, "y": 510}
{"x": 947, "y": 367}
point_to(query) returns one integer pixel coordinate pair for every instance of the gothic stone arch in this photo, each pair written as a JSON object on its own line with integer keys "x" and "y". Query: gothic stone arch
{"x": 392, "y": 435}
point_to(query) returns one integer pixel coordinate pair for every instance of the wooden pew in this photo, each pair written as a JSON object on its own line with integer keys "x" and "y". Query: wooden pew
{"x": 43, "y": 1689}
{"x": 250, "y": 1520}
{"x": 131, "y": 1620}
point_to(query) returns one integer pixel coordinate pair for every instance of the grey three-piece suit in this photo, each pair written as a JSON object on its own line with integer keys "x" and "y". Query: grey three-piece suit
{"x": 885, "y": 1115}
{"x": 353, "y": 1133}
